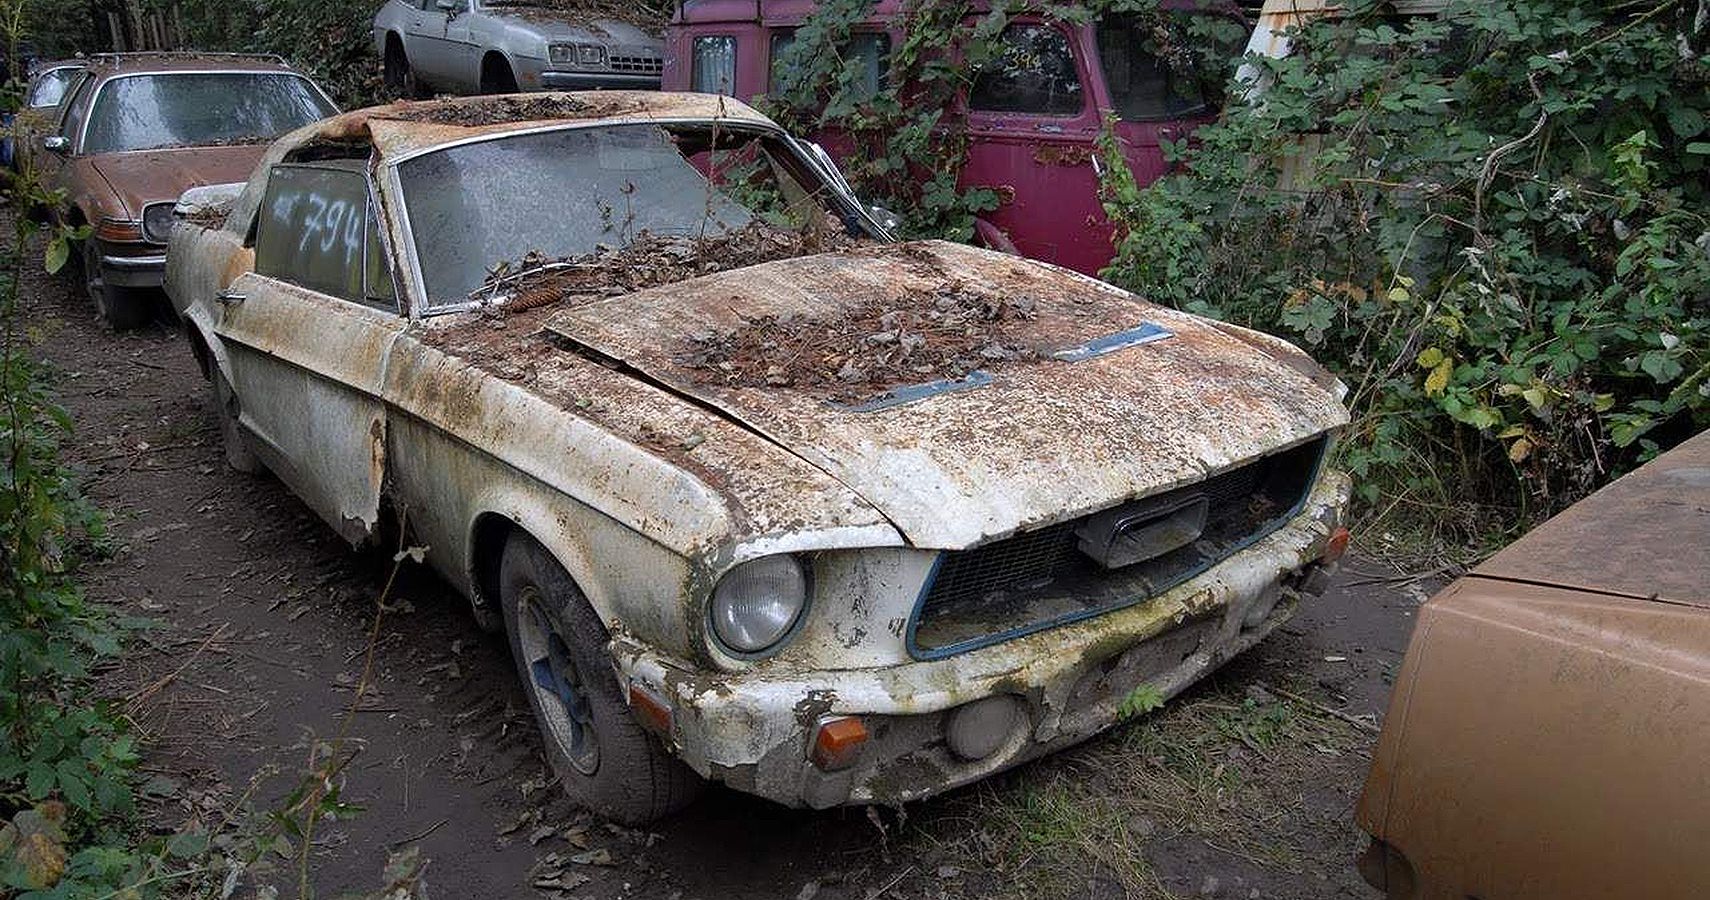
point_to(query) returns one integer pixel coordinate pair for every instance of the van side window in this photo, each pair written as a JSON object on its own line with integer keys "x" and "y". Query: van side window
{"x": 1032, "y": 71}
{"x": 713, "y": 67}
{"x": 316, "y": 231}
{"x": 1148, "y": 82}
{"x": 869, "y": 52}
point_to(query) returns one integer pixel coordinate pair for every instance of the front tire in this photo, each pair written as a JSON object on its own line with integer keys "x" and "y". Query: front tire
{"x": 603, "y": 757}
{"x": 121, "y": 309}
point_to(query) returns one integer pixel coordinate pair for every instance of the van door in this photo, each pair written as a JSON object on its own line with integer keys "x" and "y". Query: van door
{"x": 1032, "y": 129}
{"x": 1161, "y": 76}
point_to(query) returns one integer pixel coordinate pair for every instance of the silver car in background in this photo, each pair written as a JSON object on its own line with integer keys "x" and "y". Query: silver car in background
{"x": 504, "y": 46}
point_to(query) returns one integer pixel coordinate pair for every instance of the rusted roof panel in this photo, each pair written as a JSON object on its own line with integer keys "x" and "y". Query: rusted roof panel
{"x": 398, "y": 129}
{"x": 1645, "y": 535}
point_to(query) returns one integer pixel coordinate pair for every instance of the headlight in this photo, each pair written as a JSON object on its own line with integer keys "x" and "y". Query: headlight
{"x": 157, "y": 223}
{"x": 757, "y": 603}
{"x": 585, "y": 56}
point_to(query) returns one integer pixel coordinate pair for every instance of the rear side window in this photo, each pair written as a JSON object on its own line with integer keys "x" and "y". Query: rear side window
{"x": 713, "y": 69}
{"x": 867, "y": 53}
{"x": 78, "y": 109}
{"x": 1167, "y": 65}
{"x": 50, "y": 88}
{"x": 317, "y": 230}
{"x": 1032, "y": 71}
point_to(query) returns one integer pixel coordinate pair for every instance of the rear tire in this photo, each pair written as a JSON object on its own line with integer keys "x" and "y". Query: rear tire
{"x": 603, "y": 757}
{"x": 120, "y": 308}
{"x": 239, "y": 454}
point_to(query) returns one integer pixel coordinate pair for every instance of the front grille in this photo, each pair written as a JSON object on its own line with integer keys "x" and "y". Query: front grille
{"x": 644, "y": 65}
{"x": 1042, "y": 577}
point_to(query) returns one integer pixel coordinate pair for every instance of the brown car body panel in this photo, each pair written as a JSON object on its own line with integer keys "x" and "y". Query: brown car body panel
{"x": 1547, "y": 734}
{"x": 139, "y": 178}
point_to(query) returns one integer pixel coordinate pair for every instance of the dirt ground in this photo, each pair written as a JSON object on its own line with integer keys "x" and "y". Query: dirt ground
{"x": 1236, "y": 790}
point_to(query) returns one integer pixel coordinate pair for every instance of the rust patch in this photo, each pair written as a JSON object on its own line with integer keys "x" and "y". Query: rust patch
{"x": 1062, "y": 154}
{"x": 483, "y": 111}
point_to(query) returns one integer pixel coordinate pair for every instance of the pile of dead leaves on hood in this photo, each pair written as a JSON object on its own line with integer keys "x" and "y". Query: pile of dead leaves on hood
{"x": 648, "y": 261}
{"x": 867, "y": 350}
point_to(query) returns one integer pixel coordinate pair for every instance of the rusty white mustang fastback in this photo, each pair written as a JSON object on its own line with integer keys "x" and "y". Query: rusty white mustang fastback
{"x": 759, "y": 494}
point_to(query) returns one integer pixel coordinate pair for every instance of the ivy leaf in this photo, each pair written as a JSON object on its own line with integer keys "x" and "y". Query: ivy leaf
{"x": 1438, "y": 380}
{"x": 1430, "y": 358}
{"x": 1661, "y": 366}
{"x": 38, "y": 783}
{"x": 57, "y": 255}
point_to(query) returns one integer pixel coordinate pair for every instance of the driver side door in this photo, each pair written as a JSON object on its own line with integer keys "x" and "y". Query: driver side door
{"x": 308, "y": 332}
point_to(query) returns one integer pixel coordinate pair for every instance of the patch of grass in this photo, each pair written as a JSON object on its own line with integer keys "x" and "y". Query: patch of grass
{"x": 1238, "y": 773}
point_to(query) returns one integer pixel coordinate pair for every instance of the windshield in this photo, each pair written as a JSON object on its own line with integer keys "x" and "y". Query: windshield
{"x": 482, "y": 208}
{"x": 50, "y": 89}
{"x": 186, "y": 109}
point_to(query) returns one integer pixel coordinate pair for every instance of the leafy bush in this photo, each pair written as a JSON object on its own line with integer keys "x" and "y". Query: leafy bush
{"x": 331, "y": 40}
{"x": 1491, "y": 223}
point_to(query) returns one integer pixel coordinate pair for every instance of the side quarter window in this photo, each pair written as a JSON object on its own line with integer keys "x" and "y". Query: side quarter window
{"x": 1031, "y": 71}
{"x": 317, "y": 230}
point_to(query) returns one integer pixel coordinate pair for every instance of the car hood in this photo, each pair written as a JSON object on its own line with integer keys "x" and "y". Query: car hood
{"x": 555, "y": 25}
{"x": 1645, "y": 536}
{"x": 141, "y": 177}
{"x": 1144, "y": 400}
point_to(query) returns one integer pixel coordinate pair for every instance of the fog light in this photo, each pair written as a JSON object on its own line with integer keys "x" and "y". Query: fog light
{"x": 837, "y": 743}
{"x": 978, "y": 729}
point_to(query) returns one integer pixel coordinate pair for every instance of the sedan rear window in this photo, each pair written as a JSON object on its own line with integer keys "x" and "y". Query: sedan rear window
{"x": 187, "y": 109}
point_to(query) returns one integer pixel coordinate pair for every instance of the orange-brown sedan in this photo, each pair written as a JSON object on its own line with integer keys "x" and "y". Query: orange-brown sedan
{"x": 1548, "y": 732}
{"x": 140, "y": 129}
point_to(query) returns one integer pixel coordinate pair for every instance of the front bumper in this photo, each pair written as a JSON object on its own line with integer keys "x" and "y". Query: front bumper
{"x": 752, "y": 729}
{"x": 134, "y": 271}
{"x": 594, "y": 81}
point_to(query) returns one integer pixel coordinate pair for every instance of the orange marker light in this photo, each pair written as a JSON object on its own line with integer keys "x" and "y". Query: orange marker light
{"x": 652, "y": 711}
{"x": 1337, "y": 546}
{"x": 122, "y": 230}
{"x": 837, "y": 743}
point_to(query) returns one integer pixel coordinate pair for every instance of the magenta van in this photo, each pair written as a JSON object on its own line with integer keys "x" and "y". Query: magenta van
{"x": 1033, "y": 114}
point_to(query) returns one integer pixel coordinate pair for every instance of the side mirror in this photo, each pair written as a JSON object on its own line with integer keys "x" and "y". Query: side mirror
{"x": 58, "y": 143}
{"x": 450, "y": 7}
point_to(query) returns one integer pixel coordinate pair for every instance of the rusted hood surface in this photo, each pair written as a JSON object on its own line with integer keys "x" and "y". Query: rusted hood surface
{"x": 149, "y": 176}
{"x": 1645, "y": 535}
{"x": 1039, "y": 442}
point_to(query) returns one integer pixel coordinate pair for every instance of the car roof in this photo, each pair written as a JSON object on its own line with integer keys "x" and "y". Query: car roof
{"x": 1646, "y": 535}
{"x": 402, "y": 129}
{"x": 105, "y": 65}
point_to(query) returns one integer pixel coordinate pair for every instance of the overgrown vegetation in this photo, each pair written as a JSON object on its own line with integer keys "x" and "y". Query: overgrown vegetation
{"x": 1490, "y": 222}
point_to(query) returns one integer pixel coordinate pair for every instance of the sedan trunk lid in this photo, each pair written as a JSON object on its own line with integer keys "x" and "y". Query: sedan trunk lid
{"x": 1114, "y": 398}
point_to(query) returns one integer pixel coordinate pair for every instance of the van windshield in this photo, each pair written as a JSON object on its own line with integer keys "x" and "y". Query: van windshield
{"x": 478, "y": 208}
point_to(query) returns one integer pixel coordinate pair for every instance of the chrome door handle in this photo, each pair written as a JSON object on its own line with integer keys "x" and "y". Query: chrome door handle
{"x": 230, "y": 298}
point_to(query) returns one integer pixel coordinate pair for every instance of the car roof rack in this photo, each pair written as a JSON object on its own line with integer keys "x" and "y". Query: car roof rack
{"x": 188, "y": 54}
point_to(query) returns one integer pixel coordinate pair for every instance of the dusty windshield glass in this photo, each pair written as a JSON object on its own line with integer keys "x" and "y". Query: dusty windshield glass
{"x": 479, "y": 208}
{"x": 145, "y": 112}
